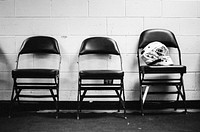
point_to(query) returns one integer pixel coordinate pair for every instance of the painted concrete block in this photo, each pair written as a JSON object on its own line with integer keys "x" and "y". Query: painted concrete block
{"x": 69, "y": 63}
{"x": 125, "y": 26}
{"x": 26, "y": 61}
{"x": 5, "y": 95}
{"x": 72, "y": 21}
{"x": 33, "y": 7}
{"x": 190, "y": 26}
{"x": 130, "y": 63}
{"x": 198, "y": 8}
{"x": 197, "y": 78}
{"x": 87, "y": 26}
{"x": 46, "y": 61}
{"x": 132, "y": 44}
{"x": 7, "y": 26}
{"x": 121, "y": 42}
{"x": 189, "y": 44}
{"x": 177, "y": 8}
{"x": 172, "y": 24}
{"x": 190, "y": 81}
{"x": 6, "y": 81}
{"x": 126, "y": 44}
{"x": 69, "y": 81}
{"x": 106, "y": 8}
{"x": 36, "y": 26}
{"x": 192, "y": 95}
{"x": 70, "y": 44}
{"x": 7, "y": 45}
{"x": 61, "y": 8}
{"x": 93, "y": 62}
{"x": 150, "y": 8}
{"x": 41, "y": 26}
{"x": 131, "y": 81}
{"x": 7, "y": 8}
{"x": 192, "y": 62}
{"x": 7, "y": 62}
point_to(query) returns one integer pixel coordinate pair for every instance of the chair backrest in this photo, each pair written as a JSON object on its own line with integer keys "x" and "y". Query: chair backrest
{"x": 99, "y": 45}
{"x": 40, "y": 44}
{"x": 161, "y": 35}
{"x": 99, "y": 50}
{"x": 164, "y": 36}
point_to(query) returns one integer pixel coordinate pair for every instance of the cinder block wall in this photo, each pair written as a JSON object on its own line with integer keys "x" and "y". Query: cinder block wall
{"x": 71, "y": 21}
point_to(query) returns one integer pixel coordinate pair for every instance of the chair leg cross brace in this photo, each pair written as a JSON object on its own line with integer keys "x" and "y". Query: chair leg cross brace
{"x": 145, "y": 94}
{"x": 80, "y": 98}
{"x": 180, "y": 93}
{"x": 16, "y": 94}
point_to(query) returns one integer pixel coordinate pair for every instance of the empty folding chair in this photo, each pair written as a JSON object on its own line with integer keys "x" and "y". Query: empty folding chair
{"x": 99, "y": 79}
{"x": 159, "y": 71}
{"x": 36, "y": 75}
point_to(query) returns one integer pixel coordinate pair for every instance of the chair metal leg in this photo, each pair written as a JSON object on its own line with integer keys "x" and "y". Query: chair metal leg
{"x": 57, "y": 93}
{"x": 119, "y": 103}
{"x": 184, "y": 99}
{"x": 14, "y": 96}
{"x": 11, "y": 102}
{"x": 17, "y": 92}
{"x": 57, "y": 105}
{"x": 182, "y": 94}
{"x": 177, "y": 99}
{"x": 122, "y": 101}
{"x": 57, "y": 108}
{"x": 78, "y": 106}
{"x": 78, "y": 101}
{"x": 125, "y": 117}
{"x": 55, "y": 101}
{"x": 141, "y": 101}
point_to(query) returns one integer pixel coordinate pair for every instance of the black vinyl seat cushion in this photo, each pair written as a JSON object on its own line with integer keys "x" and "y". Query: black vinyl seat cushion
{"x": 35, "y": 73}
{"x": 163, "y": 69}
{"x": 99, "y": 74}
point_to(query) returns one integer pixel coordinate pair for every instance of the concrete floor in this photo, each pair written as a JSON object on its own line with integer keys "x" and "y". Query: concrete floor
{"x": 102, "y": 121}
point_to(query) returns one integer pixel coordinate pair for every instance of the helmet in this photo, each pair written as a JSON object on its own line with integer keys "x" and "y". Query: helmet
{"x": 156, "y": 53}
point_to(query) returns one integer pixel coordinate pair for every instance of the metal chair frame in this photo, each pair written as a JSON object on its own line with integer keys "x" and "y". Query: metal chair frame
{"x": 84, "y": 87}
{"x": 52, "y": 87}
{"x": 160, "y": 35}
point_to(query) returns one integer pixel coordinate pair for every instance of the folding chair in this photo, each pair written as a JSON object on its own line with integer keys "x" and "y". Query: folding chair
{"x": 26, "y": 78}
{"x": 100, "y": 79}
{"x": 171, "y": 75}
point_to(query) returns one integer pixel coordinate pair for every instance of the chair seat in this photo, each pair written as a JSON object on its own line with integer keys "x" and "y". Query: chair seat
{"x": 34, "y": 73}
{"x": 101, "y": 74}
{"x": 163, "y": 69}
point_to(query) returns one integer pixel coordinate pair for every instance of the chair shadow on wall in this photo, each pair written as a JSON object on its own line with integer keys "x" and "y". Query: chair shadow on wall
{"x": 4, "y": 78}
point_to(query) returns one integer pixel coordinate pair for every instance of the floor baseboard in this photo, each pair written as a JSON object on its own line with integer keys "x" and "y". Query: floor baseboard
{"x": 95, "y": 105}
